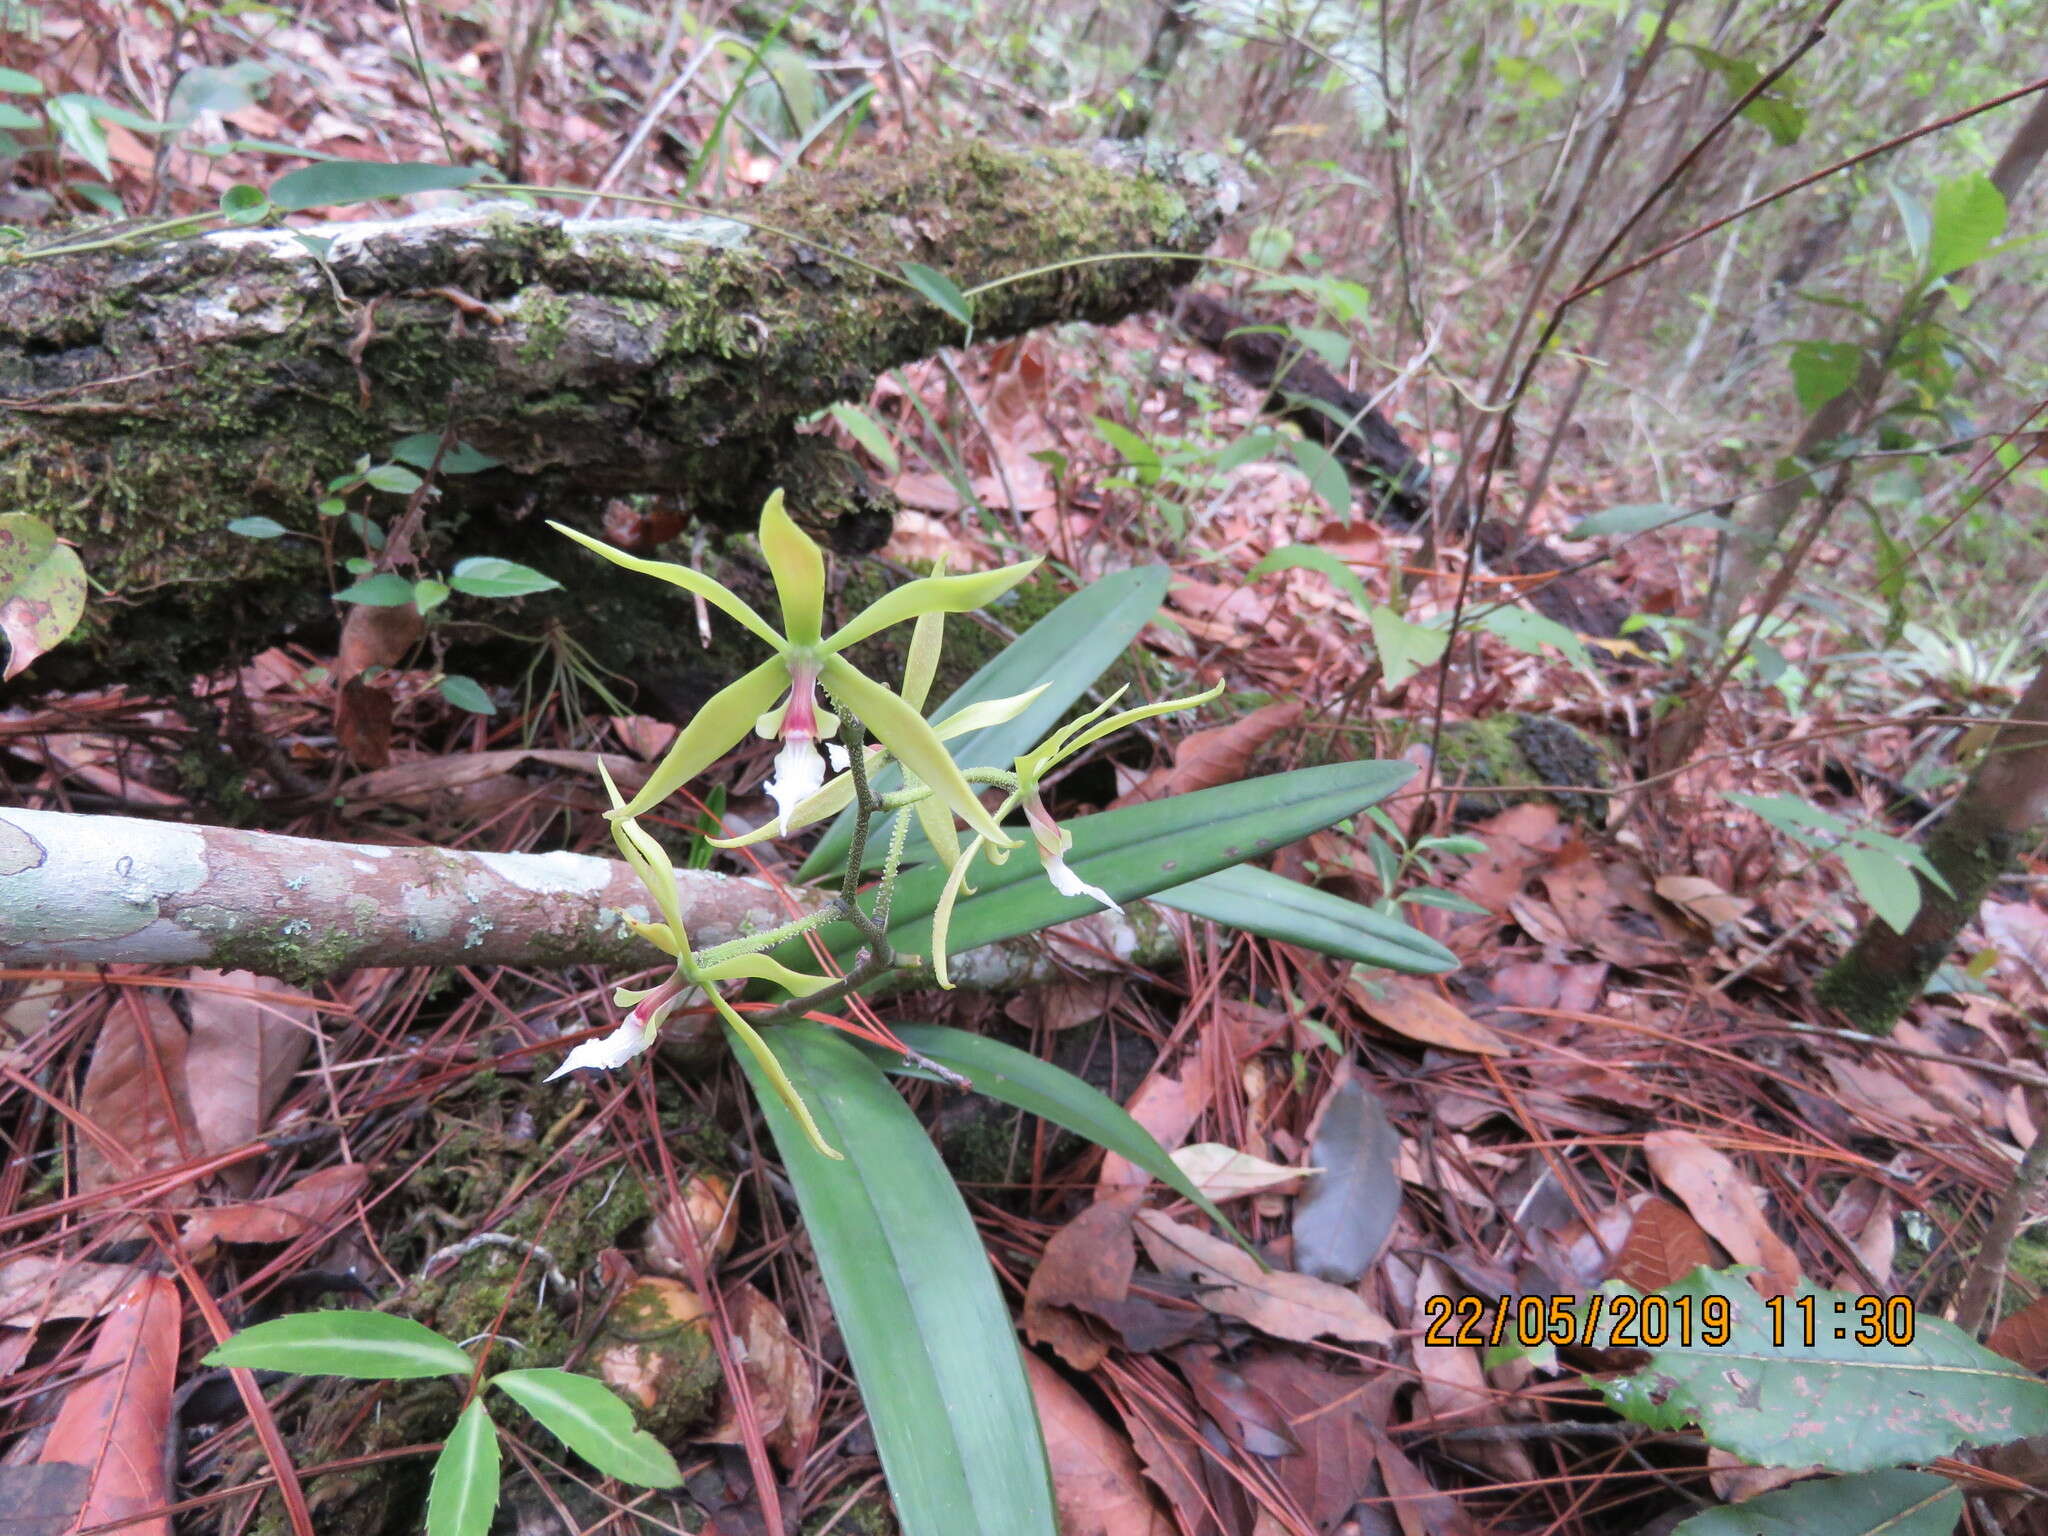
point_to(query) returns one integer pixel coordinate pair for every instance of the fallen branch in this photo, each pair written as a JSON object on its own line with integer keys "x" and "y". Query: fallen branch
{"x": 104, "y": 890}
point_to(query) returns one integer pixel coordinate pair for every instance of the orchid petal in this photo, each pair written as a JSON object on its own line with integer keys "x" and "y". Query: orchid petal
{"x": 650, "y": 862}
{"x": 724, "y": 720}
{"x": 762, "y": 968}
{"x": 977, "y": 717}
{"x": 942, "y": 914}
{"x": 913, "y": 742}
{"x": 756, "y": 1047}
{"x": 1133, "y": 716}
{"x": 693, "y": 582}
{"x": 932, "y": 594}
{"x": 1067, "y": 883}
{"x": 609, "y": 1051}
{"x": 927, "y": 638}
{"x": 798, "y": 566}
{"x": 937, "y": 822}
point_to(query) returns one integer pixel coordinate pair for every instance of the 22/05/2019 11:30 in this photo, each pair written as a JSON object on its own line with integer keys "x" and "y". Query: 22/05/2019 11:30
{"x": 1628, "y": 1321}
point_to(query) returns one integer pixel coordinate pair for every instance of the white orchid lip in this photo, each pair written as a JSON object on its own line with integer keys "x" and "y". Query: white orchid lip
{"x": 636, "y": 1032}
{"x": 1052, "y": 847}
{"x": 799, "y": 774}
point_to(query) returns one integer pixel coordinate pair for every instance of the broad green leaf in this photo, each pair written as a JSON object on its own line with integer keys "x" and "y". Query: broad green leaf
{"x": 220, "y": 88}
{"x": 466, "y": 693}
{"x": 42, "y": 589}
{"x": 1774, "y": 111}
{"x": 76, "y": 120}
{"x": 1275, "y": 907}
{"x": 429, "y": 594}
{"x": 932, "y": 1343}
{"x": 1887, "y": 886}
{"x": 244, "y": 204}
{"x": 1067, "y": 650}
{"x": 364, "y": 1346}
{"x": 258, "y": 528}
{"x": 464, "y": 1492}
{"x": 594, "y": 1422}
{"x": 1918, "y": 223}
{"x": 1968, "y": 215}
{"x": 1643, "y": 518}
{"x": 1404, "y": 647}
{"x": 488, "y": 576}
{"x": 1268, "y": 245}
{"x": 1134, "y": 852}
{"x": 1790, "y": 815}
{"x": 386, "y": 589}
{"x": 866, "y": 431}
{"x": 395, "y": 478}
{"x": 1326, "y": 476}
{"x": 14, "y": 83}
{"x": 941, "y": 290}
{"x": 1309, "y": 558}
{"x": 420, "y": 449}
{"x": 17, "y": 120}
{"x": 1527, "y": 630}
{"x": 1138, "y": 453}
{"x": 1771, "y": 1398}
{"x": 1891, "y": 1503}
{"x": 1037, "y": 1087}
{"x": 333, "y": 183}
{"x": 1821, "y": 370}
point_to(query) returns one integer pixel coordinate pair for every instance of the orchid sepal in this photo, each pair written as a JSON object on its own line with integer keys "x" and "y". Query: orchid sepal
{"x": 696, "y": 583}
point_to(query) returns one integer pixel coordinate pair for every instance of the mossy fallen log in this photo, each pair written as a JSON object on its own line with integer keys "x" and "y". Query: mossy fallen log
{"x": 151, "y": 393}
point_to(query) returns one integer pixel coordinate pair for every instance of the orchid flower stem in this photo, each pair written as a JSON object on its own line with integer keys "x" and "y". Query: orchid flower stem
{"x": 767, "y": 939}
{"x": 899, "y": 838}
{"x": 855, "y": 736}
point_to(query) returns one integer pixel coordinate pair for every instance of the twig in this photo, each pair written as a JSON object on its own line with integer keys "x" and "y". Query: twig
{"x": 1987, "y": 1271}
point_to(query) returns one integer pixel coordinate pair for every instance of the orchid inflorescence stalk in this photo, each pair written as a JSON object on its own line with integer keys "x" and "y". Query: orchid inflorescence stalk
{"x": 936, "y": 790}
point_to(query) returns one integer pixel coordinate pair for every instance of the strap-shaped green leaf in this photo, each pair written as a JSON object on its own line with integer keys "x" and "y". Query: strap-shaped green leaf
{"x": 591, "y": 1419}
{"x": 1067, "y": 650}
{"x": 1136, "y": 852}
{"x": 931, "y": 1341}
{"x": 364, "y": 1346}
{"x": 464, "y": 1493}
{"x": 1274, "y": 907}
{"x": 1037, "y": 1087}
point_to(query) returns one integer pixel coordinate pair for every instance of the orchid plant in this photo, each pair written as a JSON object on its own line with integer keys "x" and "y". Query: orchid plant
{"x": 937, "y": 791}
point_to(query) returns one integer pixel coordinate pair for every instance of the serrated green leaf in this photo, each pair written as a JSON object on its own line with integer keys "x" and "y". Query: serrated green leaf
{"x": 333, "y": 183}
{"x": 941, "y": 290}
{"x": 1258, "y": 901}
{"x": 1067, "y": 650}
{"x": 488, "y": 576}
{"x": 591, "y": 1419}
{"x": 1134, "y": 852}
{"x": 1968, "y": 215}
{"x": 1773, "y": 1399}
{"x": 1326, "y": 476}
{"x": 1037, "y": 1087}
{"x": 464, "y": 1493}
{"x": 466, "y": 693}
{"x": 1891, "y": 1503}
{"x": 363, "y": 1346}
{"x": 932, "y": 1344}
{"x": 42, "y": 589}
{"x": 386, "y": 589}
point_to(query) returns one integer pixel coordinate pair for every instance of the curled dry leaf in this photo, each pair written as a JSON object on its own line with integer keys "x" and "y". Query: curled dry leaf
{"x": 1276, "y": 1302}
{"x": 1224, "y": 1173}
{"x": 1348, "y": 1209}
{"x": 1096, "y": 1480}
{"x": 1722, "y": 1201}
{"x": 134, "y": 1095}
{"x": 706, "y": 1214}
{"x": 1086, "y": 1268}
{"x": 779, "y": 1376}
{"x": 117, "y": 1420}
{"x": 250, "y": 1035}
{"x": 35, "y": 1289}
{"x": 1222, "y": 754}
{"x": 1165, "y": 1106}
{"x": 1454, "y": 1384}
{"x": 2023, "y": 1336}
{"x": 1417, "y": 1010}
{"x": 306, "y": 1207}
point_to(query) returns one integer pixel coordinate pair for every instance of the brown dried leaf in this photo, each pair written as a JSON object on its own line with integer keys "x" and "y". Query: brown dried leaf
{"x": 376, "y": 637}
{"x": 1277, "y": 1302}
{"x": 1454, "y": 1385}
{"x": 1344, "y": 1216}
{"x": 117, "y": 1420}
{"x": 1664, "y": 1246}
{"x": 1087, "y": 1265}
{"x": 134, "y": 1094}
{"x": 1222, "y": 754}
{"x": 1224, "y": 1173}
{"x": 1096, "y": 1480}
{"x": 1876, "y": 1095}
{"x": 1417, "y": 1010}
{"x": 1722, "y": 1201}
{"x": 37, "y": 1289}
{"x": 243, "y": 1054}
{"x": 779, "y": 1373}
{"x": 2023, "y": 1336}
{"x": 306, "y": 1207}
{"x": 362, "y": 723}
{"x": 1165, "y": 1106}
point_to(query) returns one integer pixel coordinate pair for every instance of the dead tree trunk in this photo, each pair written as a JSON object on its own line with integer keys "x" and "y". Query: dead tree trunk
{"x": 152, "y": 393}
{"x": 1975, "y": 843}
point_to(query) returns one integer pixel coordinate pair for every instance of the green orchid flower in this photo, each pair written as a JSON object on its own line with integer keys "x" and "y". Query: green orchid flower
{"x": 1052, "y": 839}
{"x": 804, "y": 658}
{"x": 650, "y": 1006}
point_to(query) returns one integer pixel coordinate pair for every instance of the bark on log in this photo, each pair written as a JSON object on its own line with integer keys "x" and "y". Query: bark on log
{"x": 151, "y": 393}
{"x": 106, "y": 890}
